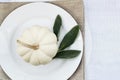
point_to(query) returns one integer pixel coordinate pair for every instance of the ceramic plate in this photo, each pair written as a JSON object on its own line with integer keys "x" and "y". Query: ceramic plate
{"x": 42, "y": 14}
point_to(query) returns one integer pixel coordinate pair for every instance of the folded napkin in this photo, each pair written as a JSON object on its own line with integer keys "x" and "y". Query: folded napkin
{"x": 74, "y": 7}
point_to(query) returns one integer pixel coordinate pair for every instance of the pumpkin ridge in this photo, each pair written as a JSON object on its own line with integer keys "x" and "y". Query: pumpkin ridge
{"x": 47, "y": 36}
{"x": 28, "y": 54}
{"x": 45, "y": 53}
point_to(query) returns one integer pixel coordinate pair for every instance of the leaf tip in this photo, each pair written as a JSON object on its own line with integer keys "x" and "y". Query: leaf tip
{"x": 77, "y": 26}
{"x": 58, "y": 16}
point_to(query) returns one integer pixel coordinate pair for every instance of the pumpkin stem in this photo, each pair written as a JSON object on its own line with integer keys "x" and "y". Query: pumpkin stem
{"x": 34, "y": 47}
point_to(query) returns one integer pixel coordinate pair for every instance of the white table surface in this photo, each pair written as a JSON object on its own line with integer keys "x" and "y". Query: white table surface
{"x": 102, "y": 53}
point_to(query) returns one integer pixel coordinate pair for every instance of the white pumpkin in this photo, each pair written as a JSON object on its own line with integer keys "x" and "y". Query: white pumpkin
{"x": 37, "y": 45}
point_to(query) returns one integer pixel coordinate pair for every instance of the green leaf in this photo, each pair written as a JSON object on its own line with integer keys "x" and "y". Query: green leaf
{"x": 57, "y": 25}
{"x": 67, "y": 54}
{"x": 69, "y": 38}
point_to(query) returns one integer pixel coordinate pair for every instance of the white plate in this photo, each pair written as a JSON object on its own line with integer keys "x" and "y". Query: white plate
{"x": 42, "y": 14}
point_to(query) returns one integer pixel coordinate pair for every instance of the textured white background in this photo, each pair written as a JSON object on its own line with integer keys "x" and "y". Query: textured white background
{"x": 102, "y": 22}
{"x": 102, "y": 17}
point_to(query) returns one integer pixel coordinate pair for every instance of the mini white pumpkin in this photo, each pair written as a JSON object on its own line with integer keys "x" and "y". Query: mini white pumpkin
{"x": 37, "y": 45}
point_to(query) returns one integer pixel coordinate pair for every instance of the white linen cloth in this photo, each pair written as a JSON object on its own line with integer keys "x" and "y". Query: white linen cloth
{"x": 102, "y": 17}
